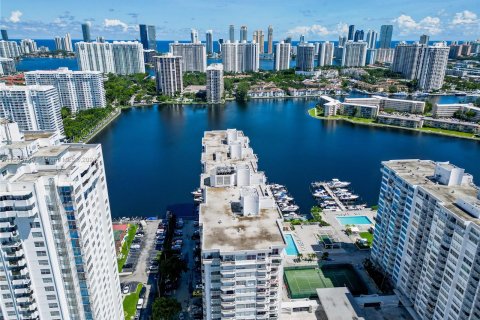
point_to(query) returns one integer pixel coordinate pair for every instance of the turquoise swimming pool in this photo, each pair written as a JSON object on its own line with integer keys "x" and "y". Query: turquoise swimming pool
{"x": 353, "y": 220}
{"x": 291, "y": 248}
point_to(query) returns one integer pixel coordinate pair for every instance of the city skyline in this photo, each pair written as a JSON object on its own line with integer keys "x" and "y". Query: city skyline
{"x": 442, "y": 21}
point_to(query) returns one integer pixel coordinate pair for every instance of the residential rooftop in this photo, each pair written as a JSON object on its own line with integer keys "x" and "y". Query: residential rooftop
{"x": 422, "y": 173}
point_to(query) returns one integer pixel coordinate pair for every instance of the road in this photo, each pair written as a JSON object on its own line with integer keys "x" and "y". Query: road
{"x": 183, "y": 293}
{"x": 140, "y": 274}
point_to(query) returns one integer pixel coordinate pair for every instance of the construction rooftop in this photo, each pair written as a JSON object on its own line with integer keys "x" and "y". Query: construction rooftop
{"x": 421, "y": 173}
{"x": 225, "y": 226}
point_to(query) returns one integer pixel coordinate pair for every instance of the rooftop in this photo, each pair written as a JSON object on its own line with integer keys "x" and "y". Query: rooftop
{"x": 338, "y": 304}
{"x": 421, "y": 172}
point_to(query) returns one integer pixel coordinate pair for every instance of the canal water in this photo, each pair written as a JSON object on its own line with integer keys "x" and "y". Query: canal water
{"x": 152, "y": 154}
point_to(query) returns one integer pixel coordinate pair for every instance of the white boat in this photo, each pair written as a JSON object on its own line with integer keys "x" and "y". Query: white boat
{"x": 335, "y": 183}
{"x": 197, "y": 192}
{"x": 291, "y": 208}
{"x": 400, "y": 94}
{"x": 349, "y": 197}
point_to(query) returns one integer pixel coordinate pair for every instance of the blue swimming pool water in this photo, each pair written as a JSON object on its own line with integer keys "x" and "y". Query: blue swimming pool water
{"x": 291, "y": 248}
{"x": 354, "y": 220}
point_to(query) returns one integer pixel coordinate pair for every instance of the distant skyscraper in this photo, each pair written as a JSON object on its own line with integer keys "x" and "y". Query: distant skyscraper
{"x": 148, "y": 37}
{"x": 384, "y": 55}
{"x": 231, "y": 31}
{"x": 34, "y": 108}
{"x": 220, "y": 42}
{"x": 325, "y": 54}
{"x": 240, "y": 57}
{"x": 86, "y": 32}
{"x": 169, "y": 74}
{"x": 64, "y": 43}
{"x": 9, "y": 49}
{"x": 7, "y": 66}
{"x": 209, "y": 41}
{"x": 28, "y": 46}
{"x": 215, "y": 83}
{"x": 4, "y": 35}
{"x": 194, "y": 57}
{"x": 270, "y": 40}
{"x": 194, "y": 36}
{"x": 372, "y": 39}
{"x": 302, "y": 38}
{"x": 385, "y": 36}
{"x": 259, "y": 37}
{"x": 305, "y": 57}
{"x": 341, "y": 41}
{"x": 100, "y": 39}
{"x": 243, "y": 33}
{"x": 424, "y": 39}
{"x": 359, "y": 34}
{"x": 351, "y": 32}
{"x": 288, "y": 40}
{"x": 282, "y": 56}
{"x": 354, "y": 54}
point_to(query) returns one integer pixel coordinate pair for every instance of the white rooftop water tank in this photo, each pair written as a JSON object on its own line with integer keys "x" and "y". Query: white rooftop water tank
{"x": 250, "y": 202}
{"x": 236, "y": 150}
{"x": 232, "y": 135}
{"x": 243, "y": 176}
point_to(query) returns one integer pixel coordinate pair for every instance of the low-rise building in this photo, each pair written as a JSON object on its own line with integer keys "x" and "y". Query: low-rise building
{"x": 449, "y": 110}
{"x": 328, "y": 106}
{"x": 359, "y": 110}
{"x": 306, "y": 92}
{"x": 397, "y": 105}
{"x": 266, "y": 90}
{"x": 451, "y": 124}
{"x": 406, "y": 121}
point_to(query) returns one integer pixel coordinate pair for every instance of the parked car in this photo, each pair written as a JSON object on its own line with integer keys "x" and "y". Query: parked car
{"x": 140, "y": 303}
{"x": 126, "y": 289}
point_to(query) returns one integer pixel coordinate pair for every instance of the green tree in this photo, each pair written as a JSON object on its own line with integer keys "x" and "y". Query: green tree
{"x": 172, "y": 267}
{"x": 241, "y": 93}
{"x": 165, "y": 308}
{"x": 428, "y": 107}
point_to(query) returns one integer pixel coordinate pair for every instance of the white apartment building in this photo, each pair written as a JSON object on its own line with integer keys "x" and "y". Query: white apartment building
{"x": 77, "y": 90}
{"x": 215, "y": 88}
{"x": 7, "y": 66}
{"x": 448, "y": 110}
{"x": 434, "y": 65}
{"x": 407, "y": 59}
{"x": 372, "y": 36}
{"x": 240, "y": 57}
{"x": 95, "y": 56}
{"x": 64, "y": 43}
{"x": 305, "y": 57}
{"x": 427, "y": 237}
{"x": 128, "y": 57}
{"x": 32, "y": 107}
{"x": 384, "y": 55}
{"x": 397, "y": 105}
{"x": 169, "y": 74}
{"x": 9, "y": 49}
{"x": 28, "y": 46}
{"x": 282, "y": 55}
{"x": 259, "y": 37}
{"x": 194, "y": 55}
{"x": 57, "y": 250}
{"x": 354, "y": 54}
{"x": 325, "y": 54}
{"x": 241, "y": 232}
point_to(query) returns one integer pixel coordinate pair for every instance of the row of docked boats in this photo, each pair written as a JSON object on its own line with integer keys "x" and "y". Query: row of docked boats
{"x": 197, "y": 195}
{"x": 334, "y": 195}
{"x": 284, "y": 201}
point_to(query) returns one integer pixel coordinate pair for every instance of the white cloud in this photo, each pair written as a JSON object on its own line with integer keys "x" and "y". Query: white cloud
{"x": 315, "y": 29}
{"x": 465, "y": 17}
{"x": 114, "y": 23}
{"x": 408, "y": 26}
{"x": 15, "y": 16}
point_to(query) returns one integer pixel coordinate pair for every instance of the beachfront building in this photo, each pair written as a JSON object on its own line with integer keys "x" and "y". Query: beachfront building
{"x": 328, "y": 106}
{"x": 77, "y": 90}
{"x": 427, "y": 237}
{"x": 215, "y": 88}
{"x": 33, "y": 108}
{"x": 64, "y": 43}
{"x": 194, "y": 55}
{"x": 358, "y": 110}
{"x": 169, "y": 74}
{"x": 242, "y": 245}
{"x": 57, "y": 250}
{"x": 399, "y": 120}
{"x": 389, "y": 104}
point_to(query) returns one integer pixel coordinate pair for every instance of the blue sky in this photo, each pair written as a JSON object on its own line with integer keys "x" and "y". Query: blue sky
{"x": 317, "y": 19}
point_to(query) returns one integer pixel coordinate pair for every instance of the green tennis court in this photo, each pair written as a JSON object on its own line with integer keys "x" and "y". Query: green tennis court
{"x": 303, "y": 282}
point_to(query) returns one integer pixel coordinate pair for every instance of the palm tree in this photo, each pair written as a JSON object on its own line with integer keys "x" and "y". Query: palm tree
{"x": 299, "y": 256}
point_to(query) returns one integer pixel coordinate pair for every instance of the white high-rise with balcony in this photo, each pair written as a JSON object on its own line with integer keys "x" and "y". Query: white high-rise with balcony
{"x": 215, "y": 88}
{"x": 242, "y": 245}
{"x": 95, "y": 56}
{"x": 305, "y": 57}
{"x": 9, "y": 49}
{"x": 194, "y": 55}
{"x": 57, "y": 248}
{"x": 282, "y": 56}
{"x": 128, "y": 57}
{"x": 240, "y": 57}
{"x": 354, "y": 54}
{"x": 169, "y": 74}
{"x": 77, "y": 90}
{"x": 427, "y": 237}
{"x": 325, "y": 54}
{"x": 32, "y": 107}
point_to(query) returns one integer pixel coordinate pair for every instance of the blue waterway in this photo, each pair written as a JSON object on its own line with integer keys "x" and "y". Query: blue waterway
{"x": 152, "y": 154}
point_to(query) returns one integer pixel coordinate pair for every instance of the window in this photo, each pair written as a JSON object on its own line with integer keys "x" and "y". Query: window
{"x": 39, "y": 244}
{"x": 37, "y": 234}
{"x": 43, "y": 262}
{"x": 34, "y": 224}
{"x": 47, "y": 280}
{"x": 45, "y": 271}
{"x": 49, "y": 288}
{"x": 41, "y": 253}
{"x": 53, "y": 305}
{"x": 51, "y": 297}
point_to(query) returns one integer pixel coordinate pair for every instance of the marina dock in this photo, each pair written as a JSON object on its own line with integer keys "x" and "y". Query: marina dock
{"x": 334, "y": 196}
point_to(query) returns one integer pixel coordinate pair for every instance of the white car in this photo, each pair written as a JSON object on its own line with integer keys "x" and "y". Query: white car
{"x": 126, "y": 289}
{"x": 140, "y": 303}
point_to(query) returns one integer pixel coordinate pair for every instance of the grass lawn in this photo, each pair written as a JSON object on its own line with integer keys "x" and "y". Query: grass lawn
{"x": 130, "y": 303}
{"x": 126, "y": 246}
{"x": 455, "y": 133}
{"x": 368, "y": 236}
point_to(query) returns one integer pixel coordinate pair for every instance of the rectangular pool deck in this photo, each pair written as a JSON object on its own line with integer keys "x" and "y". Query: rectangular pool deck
{"x": 356, "y": 220}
